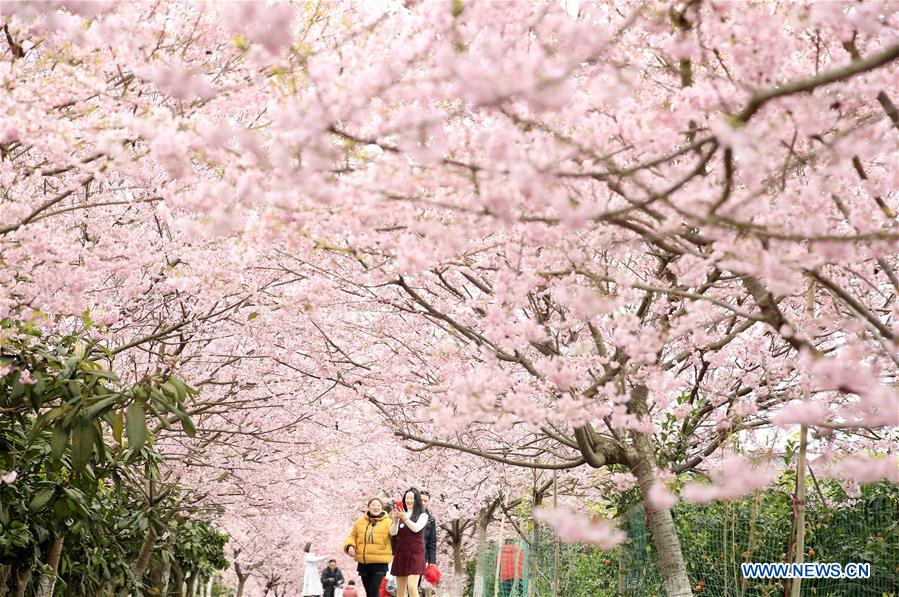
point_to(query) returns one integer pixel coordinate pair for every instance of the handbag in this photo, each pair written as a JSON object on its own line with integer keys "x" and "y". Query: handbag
{"x": 432, "y": 574}
{"x": 384, "y": 592}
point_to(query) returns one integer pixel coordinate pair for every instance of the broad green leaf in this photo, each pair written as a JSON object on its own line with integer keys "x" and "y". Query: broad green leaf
{"x": 170, "y": 389}
{"x": 118, "y": 425}
{"x": 95, "y": 409}
{"x": 82, "y": 445}
{"x": 182, "y": 389}
{"x": 70, "y": 367}
{"x": 187, "y": 424}
{"x": 103, "y": 373}
{"x": 41, "y": 499}
{"x": 55, "y": 413}
{"x": 42, "y": 420}
{"x": 98, "y": 439}
{"x": 136, "y": 426}
{"x": 59, "y": 441}
{"x": 60, "y": 508}
{"x": 75, "y": 494}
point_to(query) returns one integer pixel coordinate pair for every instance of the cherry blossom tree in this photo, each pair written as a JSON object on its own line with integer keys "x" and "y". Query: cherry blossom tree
{"x": 613, "y": 235}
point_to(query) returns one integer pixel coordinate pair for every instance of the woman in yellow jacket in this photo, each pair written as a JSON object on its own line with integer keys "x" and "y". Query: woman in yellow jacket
{"x": 369, "y": 544}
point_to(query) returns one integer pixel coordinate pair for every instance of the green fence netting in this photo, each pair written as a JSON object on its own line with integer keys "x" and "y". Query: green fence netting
{"x": 716, "y": 539}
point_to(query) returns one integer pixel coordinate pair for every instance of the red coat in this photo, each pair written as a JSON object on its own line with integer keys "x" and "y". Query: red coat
{"x": 511, "y": 563}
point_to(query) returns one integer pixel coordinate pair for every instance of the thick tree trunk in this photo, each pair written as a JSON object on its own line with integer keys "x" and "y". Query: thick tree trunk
{"x": 458, "y": 565}
{"x": 164, "y": 579}
{"x": 23, "y": 577}
{"x": 178, "y": 580}
{"x": 483, "y": 521}
{"x": 5, "y": 573}
{"x": 48, "y": 580}
{"x": 664, "y": 533}
{"x": 155, "y": 580}
{"x": 146, "y": 550}
{"x": 191, "y": 582}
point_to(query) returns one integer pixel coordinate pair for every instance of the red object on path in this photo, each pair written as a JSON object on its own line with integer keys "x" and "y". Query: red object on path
{"x": 384, "y": 592}
{"x": 432, "y": 574}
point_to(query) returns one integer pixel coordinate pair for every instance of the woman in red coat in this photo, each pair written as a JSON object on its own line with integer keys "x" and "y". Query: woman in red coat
{"x": 409, "y": 556}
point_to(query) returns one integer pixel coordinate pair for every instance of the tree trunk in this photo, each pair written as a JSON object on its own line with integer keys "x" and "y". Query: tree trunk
{"x": 457, "y": 548}
{"x": 191, "y": 582}
{"x": 241, "y": 577}
{"x": 48, "y": 580}
{"x": 22, "y": 580}
{"x": 164, "y": 579}
{"x": 178, "y": 580}
{"x": 146, "y": 550}
{"x": 5, "y": 573}
{"x": 154, "y": 582}
{"x": 483, "y": 521}
{"x": 664, "y": 533}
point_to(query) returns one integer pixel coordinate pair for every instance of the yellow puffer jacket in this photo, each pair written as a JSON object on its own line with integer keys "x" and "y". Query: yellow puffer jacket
{"x": 371, "y": 538}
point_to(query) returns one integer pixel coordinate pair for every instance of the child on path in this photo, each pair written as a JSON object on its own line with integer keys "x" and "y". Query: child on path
{"x": 350, "y": 589}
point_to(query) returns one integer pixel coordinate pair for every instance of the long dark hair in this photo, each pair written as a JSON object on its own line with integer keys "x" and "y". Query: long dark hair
{"x": 417, "y": 507}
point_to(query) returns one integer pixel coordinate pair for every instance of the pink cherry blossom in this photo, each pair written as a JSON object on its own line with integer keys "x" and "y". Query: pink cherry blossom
{"x": 576, "y": 528}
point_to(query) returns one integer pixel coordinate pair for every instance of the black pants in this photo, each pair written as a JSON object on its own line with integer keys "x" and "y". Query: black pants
{"x": 372, "y": 575}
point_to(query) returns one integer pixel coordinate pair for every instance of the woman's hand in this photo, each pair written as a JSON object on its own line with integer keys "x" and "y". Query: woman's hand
{"x": 351, "y": 551}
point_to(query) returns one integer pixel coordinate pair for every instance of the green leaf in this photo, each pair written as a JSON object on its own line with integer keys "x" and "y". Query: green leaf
{"x": 98, "y": 438}
{"x": 171, "y": 389}
{"x": 187, "y": 424}
{"x": 182, "y": 389}
{"x": 103, "y": 373}
{"x": 82, "y": 445}
{"x": 74, "y": 494}
{"x": 70, "y": 366}
{"x": 136, "y": 426}
{"x": 59, "y": 441}
{"x": 95, "y": 409}
{"x": 55, "y": 413}
{"x": 60, "y": 509}
{"x": 118, "y": 425}
{"x": 41, "y": 499}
